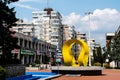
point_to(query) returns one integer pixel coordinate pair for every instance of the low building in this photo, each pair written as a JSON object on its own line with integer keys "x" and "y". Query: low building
{"x": 32, "y": 49}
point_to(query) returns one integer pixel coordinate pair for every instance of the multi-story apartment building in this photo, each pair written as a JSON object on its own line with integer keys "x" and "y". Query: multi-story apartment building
{"x": 29, "y": 43}
{"x": 68, "y": 32}
{"x": 26, "y": 28}
{"x": 109, "y": 43}
{"x": 48, "y": 25}
{"x": 80, "y": 36}
{"x": 109, "y": 37}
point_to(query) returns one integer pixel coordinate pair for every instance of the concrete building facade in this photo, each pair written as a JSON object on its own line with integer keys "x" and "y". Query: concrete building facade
{"x": 48, "y": 25}
{"x": 81, "y": 36}
{"x": 26, "y": 28}
{"x": 68, "y": 32}
{"x": 32, "y": 49}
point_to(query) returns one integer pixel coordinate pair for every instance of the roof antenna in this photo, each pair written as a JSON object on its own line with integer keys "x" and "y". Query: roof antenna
{"x": 47, "y": 3}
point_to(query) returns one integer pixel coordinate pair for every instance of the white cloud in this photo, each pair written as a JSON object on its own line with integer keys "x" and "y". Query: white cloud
{"x": 25, "y": 6}
{"x": 106, "y": 19}
{"x": 102, "y": 21}
{"x": 71, "y": 19}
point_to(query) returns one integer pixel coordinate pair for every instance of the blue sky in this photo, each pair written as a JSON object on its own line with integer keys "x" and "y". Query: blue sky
{"x": 105, "y": 17}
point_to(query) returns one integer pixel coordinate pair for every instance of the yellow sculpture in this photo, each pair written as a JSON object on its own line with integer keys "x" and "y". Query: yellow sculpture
{"x": 68, "y": 57}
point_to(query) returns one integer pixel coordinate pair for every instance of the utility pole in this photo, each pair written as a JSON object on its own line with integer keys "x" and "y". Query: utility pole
{"x": 89, "y": 13}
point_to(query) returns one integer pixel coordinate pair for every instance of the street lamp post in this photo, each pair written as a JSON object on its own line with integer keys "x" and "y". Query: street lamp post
{"x": 89, "y": 13}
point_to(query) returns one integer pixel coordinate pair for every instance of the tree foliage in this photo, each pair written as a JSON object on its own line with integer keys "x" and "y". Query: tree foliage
{"x": 98, "y": 57}
{"x": 115, "y": 50}
{"x": 7, "y": 20}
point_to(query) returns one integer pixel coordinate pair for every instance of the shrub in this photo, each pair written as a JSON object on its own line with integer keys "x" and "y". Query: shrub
{"x": 2, "y": 73}
{"x": 97, "y": 64}
{"x": 36, "y": 65}
{"x": 106, "y": 65}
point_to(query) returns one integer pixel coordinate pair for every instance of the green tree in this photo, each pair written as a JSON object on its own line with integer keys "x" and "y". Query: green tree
{"x": 7, "y": 19}
{"x": 104, "y": 54}
{"x": 97, "y": 54}
{"x": 115, "y": 50}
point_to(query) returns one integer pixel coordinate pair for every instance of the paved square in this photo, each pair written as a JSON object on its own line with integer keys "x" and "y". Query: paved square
{"x": 107, "y": 74}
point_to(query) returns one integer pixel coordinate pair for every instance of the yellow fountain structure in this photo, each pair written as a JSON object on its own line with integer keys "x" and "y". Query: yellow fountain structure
{"x": 68, "y": 57}
{"x": 73, "y": 63}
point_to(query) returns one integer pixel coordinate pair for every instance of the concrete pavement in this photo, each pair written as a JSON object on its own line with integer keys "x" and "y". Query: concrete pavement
{"x": 107, "y": 74}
